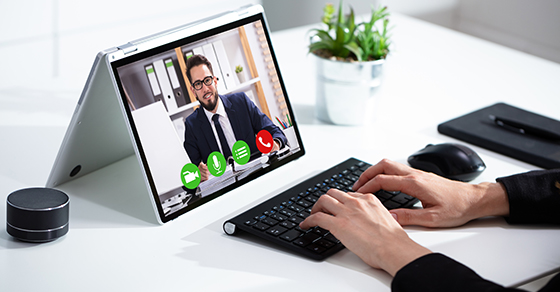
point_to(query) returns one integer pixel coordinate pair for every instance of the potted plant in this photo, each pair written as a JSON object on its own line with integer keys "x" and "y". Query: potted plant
{"x": 349, "y": 62}
{"x": 239, "y": 72}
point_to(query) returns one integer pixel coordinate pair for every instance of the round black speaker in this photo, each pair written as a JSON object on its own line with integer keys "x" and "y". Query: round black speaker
{"x": 37, "y": 214}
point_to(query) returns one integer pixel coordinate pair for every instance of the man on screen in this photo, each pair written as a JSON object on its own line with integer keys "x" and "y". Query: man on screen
{"x": 232, "y": 117}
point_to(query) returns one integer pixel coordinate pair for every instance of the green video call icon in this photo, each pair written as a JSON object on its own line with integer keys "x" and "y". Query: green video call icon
{"x": 190, "y": 176}
{"x": 216, "y": 163}
{"x": 241, "y": 152}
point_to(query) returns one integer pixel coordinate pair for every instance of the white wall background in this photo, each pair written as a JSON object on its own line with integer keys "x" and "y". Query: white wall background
{"x": 532, "y": 26}
{"x": 37, "y": 37}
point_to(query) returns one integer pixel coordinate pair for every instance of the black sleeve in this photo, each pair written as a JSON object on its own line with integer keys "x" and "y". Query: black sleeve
{"x": 534, "y": 197}
{"x": 437, "y": 272}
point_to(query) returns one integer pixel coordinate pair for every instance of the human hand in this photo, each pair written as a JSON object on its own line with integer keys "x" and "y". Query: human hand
{"x": 446, "y": 203}
{"x": 275, "y": 146}
{"x": 366, "y": 228}
{"x": 204, "y": 173}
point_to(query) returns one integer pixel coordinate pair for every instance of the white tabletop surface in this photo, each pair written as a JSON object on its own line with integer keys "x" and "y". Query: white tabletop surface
{"x": 433, "y": 75}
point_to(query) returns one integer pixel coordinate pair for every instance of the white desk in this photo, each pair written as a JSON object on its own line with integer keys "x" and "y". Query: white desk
{"x": 114, "y": 244}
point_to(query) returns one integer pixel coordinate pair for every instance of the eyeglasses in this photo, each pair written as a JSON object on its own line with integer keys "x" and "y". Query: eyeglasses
{"x": 208, "y": 80}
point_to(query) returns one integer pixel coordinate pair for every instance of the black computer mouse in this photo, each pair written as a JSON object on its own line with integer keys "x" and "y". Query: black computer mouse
{"x": 453, "y": 161}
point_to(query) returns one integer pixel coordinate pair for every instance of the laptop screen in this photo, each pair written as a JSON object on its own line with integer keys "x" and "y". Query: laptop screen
{"x": 205, "y": 131}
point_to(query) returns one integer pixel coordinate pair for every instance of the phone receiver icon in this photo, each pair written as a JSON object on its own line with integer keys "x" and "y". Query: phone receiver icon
{"x": 267, "y": 145}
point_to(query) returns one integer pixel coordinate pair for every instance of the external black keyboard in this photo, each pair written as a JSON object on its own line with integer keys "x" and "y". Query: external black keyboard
{"x": 278, "y": 218}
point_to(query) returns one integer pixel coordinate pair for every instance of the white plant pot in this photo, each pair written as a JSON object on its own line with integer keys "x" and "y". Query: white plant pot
{"x": 241, "y": 77}
{"x": 345, "y": 90}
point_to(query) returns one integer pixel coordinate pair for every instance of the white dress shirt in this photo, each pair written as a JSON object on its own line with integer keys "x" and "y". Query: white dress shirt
{"x": 224, "y": 122}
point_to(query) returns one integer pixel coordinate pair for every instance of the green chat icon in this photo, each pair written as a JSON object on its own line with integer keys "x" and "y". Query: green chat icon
{"x": 241, "y": 152}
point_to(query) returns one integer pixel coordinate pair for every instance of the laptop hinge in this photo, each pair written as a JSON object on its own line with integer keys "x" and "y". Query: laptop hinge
{"x": 128, "y": 48}
{"x": 243, "y": 10}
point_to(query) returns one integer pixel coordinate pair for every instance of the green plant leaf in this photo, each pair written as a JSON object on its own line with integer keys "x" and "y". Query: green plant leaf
{"x": 351, "y": 26}
{"x": 318, "y": 46}
{"x": 324, "y": 36}
{"x": 328, "y": 12}
{"x": 355, "y": 49}
{"x": 340, "y": 17}
{"x": 365, "y": 40}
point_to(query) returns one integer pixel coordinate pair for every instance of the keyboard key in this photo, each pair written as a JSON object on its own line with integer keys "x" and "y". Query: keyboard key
{"x": 303, "y": 214}
{"x": 276, "y": 230}
{"x": 296, "y": 219}
{"x": 316, "y": 248}
{"x": 260, "y": 217}
{"x": 269, "y": 221}
{"x": 251, "y": 222}
{"x": 269, "y": 212}
{"x": 320, "y": 231}
{"x": 278, "y": 208}
{"x": 278, "y": 217}
{"x": 394, "y": 193}
{"x": 300, "y": 230}
{"x": 336, "y": 186}
{"x": 409, "y": 197}
{"x": 382, "y": 195}
{"x": 346, "y": 182}
{"x": 312, "y": 199}
{"x": 297, "y": 208}
{"x": 364, "y": 167}
{"x": 288, "y": 224}
{"x": 287, "y": 203}
{"x": 324, "y": 243}
{"x": 305, "y": 203}
{"x": 290, "y": 235}
{"x": 331, "y": 238}
{"x": 400, "y": 198}
{"x": 391, "y": 205}
{"x": 261, "y": 226}
{"x": 295, "y": 198}
{"x": 287, "y": 213}
{"x": 306, "y": 239}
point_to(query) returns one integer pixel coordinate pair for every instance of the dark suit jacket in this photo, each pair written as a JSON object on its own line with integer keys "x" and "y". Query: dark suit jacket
{"x": 534, "y": 197}
{"x": 245, "y": 118}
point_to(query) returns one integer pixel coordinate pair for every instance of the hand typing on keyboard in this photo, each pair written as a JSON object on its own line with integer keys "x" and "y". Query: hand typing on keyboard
{"x": 365, "y": 226}
{"x": 446, "y": 203}
{"x": 278, "y": 218}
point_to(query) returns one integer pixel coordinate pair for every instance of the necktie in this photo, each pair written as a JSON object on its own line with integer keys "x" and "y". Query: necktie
{"x": 223, "y": 142}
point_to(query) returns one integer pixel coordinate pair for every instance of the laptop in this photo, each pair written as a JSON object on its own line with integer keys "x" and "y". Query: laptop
{"x": 138, "y": 100}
